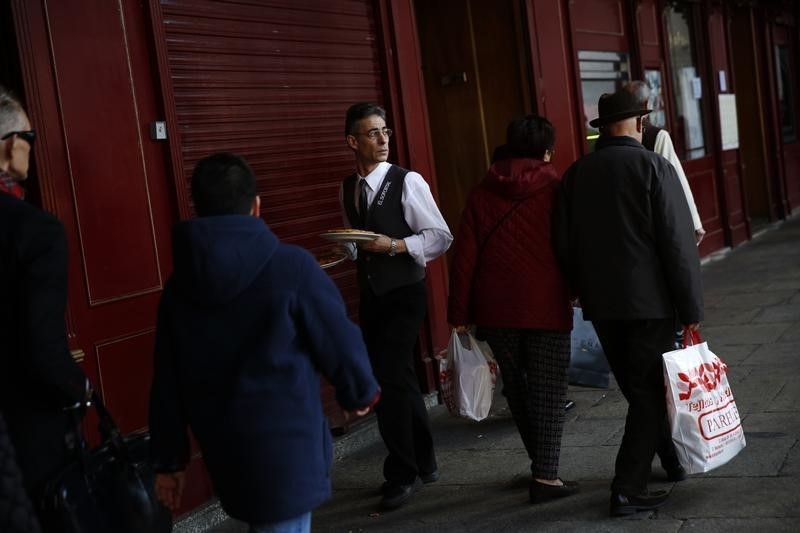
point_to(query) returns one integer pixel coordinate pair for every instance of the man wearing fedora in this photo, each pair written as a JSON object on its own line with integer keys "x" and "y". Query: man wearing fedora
{"x": 624, "y": 237}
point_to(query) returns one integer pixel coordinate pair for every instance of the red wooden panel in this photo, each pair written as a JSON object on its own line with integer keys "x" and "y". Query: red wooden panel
{"x": 735, "y": 211}
{"x": 649, "y": 32}
{"x": 107, "y": 167}
{"x": 125, "y": 366}
{"x": 791, "y": 166}
{"x": 703, "y": 182}
{"x": 649, "y": 23}
{"x": 599, "y": 24}
{"x": 555, "y": 77}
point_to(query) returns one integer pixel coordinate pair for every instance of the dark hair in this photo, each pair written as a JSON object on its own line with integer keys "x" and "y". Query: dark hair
{"x": 530, "y": 136}
{"x": 10, "y": 111}
{"x": 360, "y": 111}
{"x": 223, "y": 184}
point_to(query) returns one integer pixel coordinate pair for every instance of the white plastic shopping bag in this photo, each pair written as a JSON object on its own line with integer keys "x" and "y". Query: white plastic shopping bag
{"x": 703, "y": 417}
{"x": 467, "y": 376}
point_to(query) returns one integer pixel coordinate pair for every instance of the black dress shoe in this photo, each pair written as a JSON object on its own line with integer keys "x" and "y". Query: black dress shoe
{"x": 540, "y": 492}
{"x": 675, "y": 473}
{"x": 431, "y": 477}
{"x": 569, "y": 405}
{"x": 396, "y": 495}
{"x": 425, "y": 478}
{"x": 622, "y": 505}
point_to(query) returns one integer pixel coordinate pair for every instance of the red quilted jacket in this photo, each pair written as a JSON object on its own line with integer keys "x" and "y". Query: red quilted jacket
{"x": 504, "y": 272}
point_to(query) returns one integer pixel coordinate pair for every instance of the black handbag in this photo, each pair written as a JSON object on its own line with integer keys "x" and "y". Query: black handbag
{"x": 109, "y": 489}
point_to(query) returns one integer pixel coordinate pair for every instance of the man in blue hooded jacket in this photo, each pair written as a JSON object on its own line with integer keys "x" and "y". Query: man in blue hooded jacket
{"x": 245, "y": 324}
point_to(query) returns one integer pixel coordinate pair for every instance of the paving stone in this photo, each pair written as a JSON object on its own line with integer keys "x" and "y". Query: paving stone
{"x": 764, "y": 455}
{"x": 724, "y": 315}
{"x": 758, "y": 390}
{"x": 791, "y": 468}
{"x": 791, "y": 335}
{"x": 744, "y": 334}
{"x": 778, "y": 355}
{"x": 735, "y": 497}
{"x": 772, "y": 422}
{"x": 779, "y": 313}
{"x": 610, "y": 405}
{"x": 734, "y": 354}
{"x": 757, "y": 299}
{"x": 740, "y": 525}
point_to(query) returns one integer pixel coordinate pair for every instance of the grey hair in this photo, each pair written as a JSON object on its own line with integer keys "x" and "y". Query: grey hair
{"x": 11, "y": 111}
{"x": 640, "y": 90}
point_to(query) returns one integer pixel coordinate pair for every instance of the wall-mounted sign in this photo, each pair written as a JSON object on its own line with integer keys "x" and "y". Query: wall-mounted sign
{"x": 727, "y": 121}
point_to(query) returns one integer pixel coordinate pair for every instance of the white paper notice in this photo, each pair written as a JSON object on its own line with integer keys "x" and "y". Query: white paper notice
{"x": 697, "y": 88}
{"x": 723, "y": 82}
{"x": 727, "y": 121}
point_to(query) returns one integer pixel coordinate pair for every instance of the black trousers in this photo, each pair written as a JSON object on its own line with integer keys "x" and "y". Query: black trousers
{"x": 634, "y": 349}
{"x": 391, "y": 324}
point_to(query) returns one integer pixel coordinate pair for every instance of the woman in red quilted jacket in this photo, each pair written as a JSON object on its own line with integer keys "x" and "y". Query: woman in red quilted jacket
{"x": 505, "y": 280}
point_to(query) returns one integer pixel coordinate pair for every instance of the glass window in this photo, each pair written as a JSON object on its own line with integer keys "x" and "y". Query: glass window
{"x": 687, "y": 89}
{"x": 658, "y": 115}
{"x": 785, "y": 94}
{"x": 601, "y": 72}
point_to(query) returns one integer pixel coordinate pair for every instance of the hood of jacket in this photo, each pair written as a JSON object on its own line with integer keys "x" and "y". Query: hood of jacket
{"x": 216, "y": 258}
{"x": 519, "y": 178}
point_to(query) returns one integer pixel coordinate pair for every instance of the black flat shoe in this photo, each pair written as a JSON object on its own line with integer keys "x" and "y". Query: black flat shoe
{"x": 622, "y": 505}
{"x": 395, "y": 495}
{"x": 540, "y": 492}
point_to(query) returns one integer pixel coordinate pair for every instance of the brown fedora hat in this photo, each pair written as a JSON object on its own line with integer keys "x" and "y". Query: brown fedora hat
{"x": 617, "y": 106}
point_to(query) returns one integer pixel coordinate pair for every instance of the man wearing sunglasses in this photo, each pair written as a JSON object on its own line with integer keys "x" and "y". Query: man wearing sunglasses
{"x": 16, "y": 148}
{"x": 38, "y": 377}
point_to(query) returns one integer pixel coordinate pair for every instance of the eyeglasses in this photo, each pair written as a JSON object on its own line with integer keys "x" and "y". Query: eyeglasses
{"x": 28, "y": 136}
{"x": 373, "y": 133}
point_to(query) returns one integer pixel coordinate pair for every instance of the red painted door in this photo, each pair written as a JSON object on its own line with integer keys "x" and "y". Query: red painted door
{"x": 787, "y": 75}
{"x": 91, "y": 95}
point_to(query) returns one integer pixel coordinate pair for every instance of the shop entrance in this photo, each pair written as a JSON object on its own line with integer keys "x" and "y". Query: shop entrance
{"x": 476, "y": 80}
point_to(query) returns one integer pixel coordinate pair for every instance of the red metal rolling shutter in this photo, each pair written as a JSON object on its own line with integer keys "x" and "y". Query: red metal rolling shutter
{"x": 271, "y": 81}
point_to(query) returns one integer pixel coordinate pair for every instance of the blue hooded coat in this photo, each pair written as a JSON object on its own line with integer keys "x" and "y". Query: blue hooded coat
{"x": 245, "y": 326}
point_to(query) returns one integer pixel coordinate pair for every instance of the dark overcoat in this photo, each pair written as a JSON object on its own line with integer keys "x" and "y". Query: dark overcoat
{"x": 624, "y": 236}
{"x": 38, "y": 377}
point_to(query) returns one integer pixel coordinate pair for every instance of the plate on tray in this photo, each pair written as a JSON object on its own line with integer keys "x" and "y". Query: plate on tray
{"x": 330, "y": 259}
{"x": 349, "y": 235}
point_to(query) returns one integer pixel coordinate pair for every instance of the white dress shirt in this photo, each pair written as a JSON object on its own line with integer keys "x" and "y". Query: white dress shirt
{"x": 431, "y": 236}
{"x": 664, "y": 148}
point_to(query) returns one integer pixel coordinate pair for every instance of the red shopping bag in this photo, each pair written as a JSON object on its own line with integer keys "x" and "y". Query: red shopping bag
{"x": 703, "y": 417}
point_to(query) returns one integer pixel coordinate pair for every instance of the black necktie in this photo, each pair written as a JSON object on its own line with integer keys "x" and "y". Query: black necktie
{"x": 362, "y": 202}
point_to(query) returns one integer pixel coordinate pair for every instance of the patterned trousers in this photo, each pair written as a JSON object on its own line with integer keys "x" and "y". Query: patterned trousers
{"x": 534, "y": 367}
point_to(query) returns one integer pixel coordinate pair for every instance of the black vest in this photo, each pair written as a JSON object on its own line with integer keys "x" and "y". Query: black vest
{"x": 649, "y": 137}
{"x": 381, "y": 272}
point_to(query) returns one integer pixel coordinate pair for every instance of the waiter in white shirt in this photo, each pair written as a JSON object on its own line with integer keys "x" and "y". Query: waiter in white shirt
{"x": 397, "y": 204}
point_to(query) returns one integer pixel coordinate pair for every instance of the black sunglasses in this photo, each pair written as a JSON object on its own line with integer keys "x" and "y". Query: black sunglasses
{"x": 28, "y": 136}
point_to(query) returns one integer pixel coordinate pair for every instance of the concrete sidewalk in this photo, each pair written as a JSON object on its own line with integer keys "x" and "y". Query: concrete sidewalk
{"x": 752, "y": 298}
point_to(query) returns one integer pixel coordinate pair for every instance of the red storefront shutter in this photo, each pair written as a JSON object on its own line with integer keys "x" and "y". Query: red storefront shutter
{"x": 271, "y": 81}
